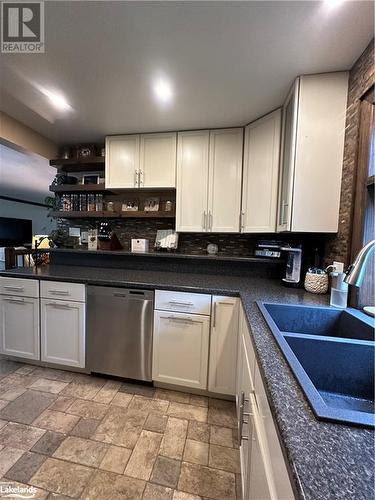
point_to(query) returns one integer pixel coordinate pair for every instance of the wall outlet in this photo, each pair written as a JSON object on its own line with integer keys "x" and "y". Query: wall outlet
{"x": 339, "y": 266}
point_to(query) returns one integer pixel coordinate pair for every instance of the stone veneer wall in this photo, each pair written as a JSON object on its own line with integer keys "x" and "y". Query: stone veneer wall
{"x": 361, "y": 77}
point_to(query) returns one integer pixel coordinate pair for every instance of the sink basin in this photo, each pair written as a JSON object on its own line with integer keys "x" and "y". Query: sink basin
{"x": 326, "y": 321}
{"x": 331, "y": 353}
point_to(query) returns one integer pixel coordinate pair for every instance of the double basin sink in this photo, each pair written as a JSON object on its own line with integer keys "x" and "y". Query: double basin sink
{"x": 331, "y": 353}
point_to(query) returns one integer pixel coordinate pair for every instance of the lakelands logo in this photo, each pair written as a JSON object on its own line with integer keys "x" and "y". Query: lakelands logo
{"x": 22, "y": 27}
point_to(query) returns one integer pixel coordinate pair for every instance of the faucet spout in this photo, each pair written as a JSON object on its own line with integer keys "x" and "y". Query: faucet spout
{"x": 356, "y": 271}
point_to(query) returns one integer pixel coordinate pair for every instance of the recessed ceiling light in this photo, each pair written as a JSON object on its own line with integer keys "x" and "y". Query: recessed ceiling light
{"x": 163, "y": 90}
{"x": 332, "y": 4}
{"x": 58, "y": 100}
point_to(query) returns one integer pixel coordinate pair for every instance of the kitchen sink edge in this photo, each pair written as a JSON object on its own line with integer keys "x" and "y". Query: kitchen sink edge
{"x": 317, "y": 402}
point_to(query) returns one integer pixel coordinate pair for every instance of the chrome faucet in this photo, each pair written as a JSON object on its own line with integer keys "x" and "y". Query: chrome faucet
{"x": 356, "y": 272}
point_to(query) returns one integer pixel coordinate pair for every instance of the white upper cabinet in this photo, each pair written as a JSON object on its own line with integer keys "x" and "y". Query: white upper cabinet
{"x": 225, "y": 172}
{"x": 158, "y": 160}
{"x": 192, "y": 181}
{"x": 312, "y": 153}
{"x": 122, "y": 161}
{"x": 260, "y": 174}
{"x": 209, "y": 168}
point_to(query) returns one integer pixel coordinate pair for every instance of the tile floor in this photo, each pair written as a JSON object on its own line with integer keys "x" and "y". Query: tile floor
{"x": 75, "y": 436}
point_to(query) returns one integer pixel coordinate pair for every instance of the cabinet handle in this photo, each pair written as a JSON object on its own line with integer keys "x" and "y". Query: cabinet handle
{"x": 59, "y": 292}
{"x": 214, "y": 316}
{"x": 15, "y": 288}
{"x": 60, "y": 306}
{"x": 284, "y": 204}
{"x": 242, "y": 224}
{"x": 140, "y": 178}
{"x": 204, "y": 221}
{"x": 176, "y": 303}
{"x": 17, "y": 301}
{"x": 210, "y": 220}
{"x": 136, "y": 181}
{"x": 183, "y": 320}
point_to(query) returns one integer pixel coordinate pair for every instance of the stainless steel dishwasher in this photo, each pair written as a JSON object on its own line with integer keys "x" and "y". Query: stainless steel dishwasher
{"x": 119, "y": 332}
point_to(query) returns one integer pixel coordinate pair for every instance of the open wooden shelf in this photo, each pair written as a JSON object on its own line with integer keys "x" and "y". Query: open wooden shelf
{"x": 94, "y": 163}
{"x": 81, "y": 188}
{"x": 100, "y": 188}
{"x": 113, "y": 215}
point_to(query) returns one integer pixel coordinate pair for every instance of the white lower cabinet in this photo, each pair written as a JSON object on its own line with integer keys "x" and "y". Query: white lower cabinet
{"x": 19, "y": 326}
{"x": 223, "y": 345}
{"x": 180, "y": 349}
{"x": 63, "y": 332}
{"x": 263, "y": 468}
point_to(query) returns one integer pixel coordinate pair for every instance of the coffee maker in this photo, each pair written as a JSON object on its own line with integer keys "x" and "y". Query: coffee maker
{"x": 293, "y": 265}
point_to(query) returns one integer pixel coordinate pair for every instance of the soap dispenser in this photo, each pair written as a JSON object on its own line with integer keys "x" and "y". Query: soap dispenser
{"x": 339, "y": 289}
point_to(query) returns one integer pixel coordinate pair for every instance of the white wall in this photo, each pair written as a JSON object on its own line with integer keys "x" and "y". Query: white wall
{"x": 41, "y": 223}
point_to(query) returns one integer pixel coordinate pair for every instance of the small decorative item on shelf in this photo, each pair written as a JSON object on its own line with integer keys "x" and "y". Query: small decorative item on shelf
{"x": 65, "y": 152}
{"x": 85, "y": 150}
{"x": 168, "y": 207}
{"x": 102, "y": 151}
{"x": 90, "y": 179}
{"x": 110, "y": 206}
{"x": 129, "y": 206}
{"x": 64, "y": 179}
{"x": 92, "y": 239}
{"x": 152, "y": 204}
{"x": 166, "y": 239}
{"x": 83, "y": 203}
{"x": 98, "y": 202}
{"x": 91, "y": 205}
{"x": 316, "y": 281}
{"x": 212, "y": 249}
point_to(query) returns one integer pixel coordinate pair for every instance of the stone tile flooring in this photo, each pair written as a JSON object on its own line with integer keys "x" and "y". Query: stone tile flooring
{"x": 75, "y": 436}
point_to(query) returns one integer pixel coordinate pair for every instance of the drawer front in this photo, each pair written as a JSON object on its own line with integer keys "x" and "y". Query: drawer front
{"x": 196, "y": 303}
{"x": 62, "y": 290}
{"x": 19, "y": 287}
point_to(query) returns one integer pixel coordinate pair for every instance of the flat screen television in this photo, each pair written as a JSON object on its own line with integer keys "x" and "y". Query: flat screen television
{"x": 15, "y": 232}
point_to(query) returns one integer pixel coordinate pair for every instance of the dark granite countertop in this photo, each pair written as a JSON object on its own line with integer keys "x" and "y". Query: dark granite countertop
{"x": 326, "y": 460}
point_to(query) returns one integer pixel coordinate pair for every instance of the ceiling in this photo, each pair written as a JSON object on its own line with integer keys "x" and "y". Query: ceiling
{"x": 227, "y": 62}
{"x": 16, "y": 166}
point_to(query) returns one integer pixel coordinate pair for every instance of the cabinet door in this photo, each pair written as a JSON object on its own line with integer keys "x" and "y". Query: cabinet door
{"x": 278, "y": 470}
{"x": 245, "y": 430}
{"x": 260, "y": 175}
{"x": 192, "y": 181}
{"x": 225, "y": 175}
{"x": 158, "y": 160}
{"x": 319, "y": 152}
{"x": 290, "y": 112}
{"x": 260, "y": 486}
{"x": 180, "y": 349}
{"x": 223, "y": 345}
{"x": 63, "y": 332}
{"x": 122, "y": 161}
{"x": 19, "y": 326}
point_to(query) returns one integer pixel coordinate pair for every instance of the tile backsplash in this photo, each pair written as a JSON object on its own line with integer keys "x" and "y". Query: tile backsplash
{"x": 194, "y": 243}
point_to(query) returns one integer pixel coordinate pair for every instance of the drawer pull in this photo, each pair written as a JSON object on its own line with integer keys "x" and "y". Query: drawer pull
{"x": 15, "y": 288}
{"x": 176, "y": 303}
{"x": 60, "y": 292}
{"x": 183, "y": 320}
{"x": 17, "y": 301}
{"x": 61, "y": 306}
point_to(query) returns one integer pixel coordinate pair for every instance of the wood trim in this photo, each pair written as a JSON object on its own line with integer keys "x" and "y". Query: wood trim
{"x": 360, "y": 194}
{"x": 363, "y": 181}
